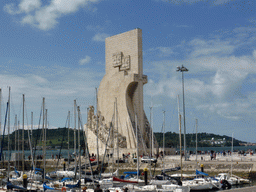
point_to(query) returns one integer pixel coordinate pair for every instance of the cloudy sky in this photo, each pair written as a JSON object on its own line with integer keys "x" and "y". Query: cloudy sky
{"x": 55, "y": 49}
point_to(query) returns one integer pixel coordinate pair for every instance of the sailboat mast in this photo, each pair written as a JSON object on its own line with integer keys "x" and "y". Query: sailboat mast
{"x": 9, "y": 112}
{"x": 44, "y": 135}
{"x": 2, "y": 142}
{"x": 232, "y": 154}
{"x": 75, "y": 128}
{"x": 117, "y": 139}
{"x": 15, "y": 136}
{"x": 0, "y": 112}
{"x": 196, "y": 142}
{"x": 68, "y": 136}
{"x": 30, "y": 137}
{"x": 79, "y": 144}
{"x": 151, "y": 141}
{"x": 152, "y": 130}
{"x": 137, "y": 143}
{"x": 45, "y": 131}
{"x": 19, "y": 143}
{"x": 112, "y": 139}
{"x": 163, "y": 141}
{"x": 31, "y": 127}
{"x": 23, "y": 126}
{"x": 97, "y": 127}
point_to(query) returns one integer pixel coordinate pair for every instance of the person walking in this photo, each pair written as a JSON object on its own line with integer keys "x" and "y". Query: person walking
{"x": 98, "y": 189}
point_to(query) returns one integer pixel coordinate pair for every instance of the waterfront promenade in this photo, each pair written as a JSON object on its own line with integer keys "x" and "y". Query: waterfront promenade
{"x": 239, "y": 163}
{"x": 243, "y": 164}
{"x": 244, "y": 189}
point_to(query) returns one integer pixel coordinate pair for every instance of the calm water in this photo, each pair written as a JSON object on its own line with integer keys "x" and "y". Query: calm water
{"x": 49, "y": 153}
{"x": 64, "y": 152}
{"x": 235, "y": 148}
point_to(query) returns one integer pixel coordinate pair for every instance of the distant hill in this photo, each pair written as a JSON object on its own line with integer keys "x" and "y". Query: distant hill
{"x": 57, "y": 138}
{"x": 203, "y": 140}
{"x": 54, "y": 138}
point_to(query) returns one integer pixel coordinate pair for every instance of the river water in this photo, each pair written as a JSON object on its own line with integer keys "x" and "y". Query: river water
{"x": 64, "y": 152}
{"x": 219, "y": 149}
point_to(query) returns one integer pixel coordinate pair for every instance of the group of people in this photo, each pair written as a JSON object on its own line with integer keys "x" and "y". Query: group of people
{"x": 93, "y": 155}
{"x": 57, "y": 156}
{"x": 37, "y": 157}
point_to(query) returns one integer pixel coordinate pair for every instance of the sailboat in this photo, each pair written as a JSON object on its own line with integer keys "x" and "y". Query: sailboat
{"x": 160, "y": 180}
{"x": 232, "y": 179}
{"x": 202, "y": 183}
{"x": 59, "y": 174}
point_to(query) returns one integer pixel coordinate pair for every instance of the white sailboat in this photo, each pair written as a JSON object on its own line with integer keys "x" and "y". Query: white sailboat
{"x": 199, "y": 184}
{"x": 232, "y": 179}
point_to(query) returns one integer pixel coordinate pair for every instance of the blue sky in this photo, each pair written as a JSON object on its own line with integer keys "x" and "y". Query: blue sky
{"x": 55, "y": 49}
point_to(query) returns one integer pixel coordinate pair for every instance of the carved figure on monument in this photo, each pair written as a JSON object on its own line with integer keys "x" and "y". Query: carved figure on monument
{"x": 123, "y": 82}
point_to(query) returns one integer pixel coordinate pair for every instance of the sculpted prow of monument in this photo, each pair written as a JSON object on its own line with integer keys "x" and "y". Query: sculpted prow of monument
{"x": 123, "y": 83}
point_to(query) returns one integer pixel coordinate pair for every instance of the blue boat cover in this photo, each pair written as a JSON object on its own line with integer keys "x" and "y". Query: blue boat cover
{"x": 39, "y": 169}
{"x": 49, "y": 178}
{"x": 46, "y": 187}
{"x": 11, "y": 186}
{"x": 18, "y": 174}
{"x": 74, "y": 186}
{"x": 65, "y": 179}
{"x": 131, "y": 172}
{"x": 201, "y": 173}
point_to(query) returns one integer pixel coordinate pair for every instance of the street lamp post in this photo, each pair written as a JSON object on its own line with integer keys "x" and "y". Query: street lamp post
{"x": 183, "y": 69}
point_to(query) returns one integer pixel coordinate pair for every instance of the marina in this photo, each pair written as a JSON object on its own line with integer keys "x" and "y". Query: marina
{"x": 242, "y": 164}
{"x": 113, "y": 138}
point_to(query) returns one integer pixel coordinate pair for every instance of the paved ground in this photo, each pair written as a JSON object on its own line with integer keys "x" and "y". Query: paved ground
{"x": 244, "y": 189}
{"x": 219, "y": 157}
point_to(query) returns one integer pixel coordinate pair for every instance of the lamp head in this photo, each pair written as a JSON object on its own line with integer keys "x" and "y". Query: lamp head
{"x": 183, "y": 69}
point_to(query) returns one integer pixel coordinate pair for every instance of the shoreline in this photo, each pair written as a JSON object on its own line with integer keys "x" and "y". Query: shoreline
{"x": 240, "y": 164}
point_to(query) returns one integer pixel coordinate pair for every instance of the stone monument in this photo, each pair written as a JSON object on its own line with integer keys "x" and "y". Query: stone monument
{"x": 120, "y": 98}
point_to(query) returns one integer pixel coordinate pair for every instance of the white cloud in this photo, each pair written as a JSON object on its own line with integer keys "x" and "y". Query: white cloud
{"x": 25, "y": 6}
{"x": 38, "y": 79}
{"x": 59, "y": 85}
{"x": 216, "y": 79}
{"x": 45, "y": 17}
{"x": 254, "y": 54}
{"x": 9, "y": 8}
{"x": 28, "y": 19}
{"x": 225, "y": 84}
{"x": 100, "y": 37}
{"x": 245, "y": 64}
{"x": 215, "y": 46}
{"x": 225, "y": 77}
{"x": 231, "y": 110}
{"x": 84, "y": 61}
{"x": 164, "y": 51}
{"x": 29, "y": 5}
{"x": 252, "y": 97}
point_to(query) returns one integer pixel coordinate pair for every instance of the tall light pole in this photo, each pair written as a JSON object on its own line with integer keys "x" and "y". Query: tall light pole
{"x": 183, "y": 69}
